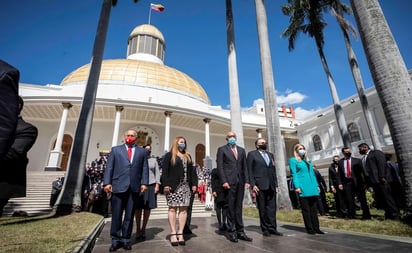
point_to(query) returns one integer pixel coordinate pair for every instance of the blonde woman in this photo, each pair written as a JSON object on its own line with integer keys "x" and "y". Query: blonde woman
{"x": 307, "y": 187}
{"x": 179, "y": 180}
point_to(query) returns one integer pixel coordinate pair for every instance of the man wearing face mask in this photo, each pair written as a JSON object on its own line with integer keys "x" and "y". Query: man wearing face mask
{"x": 126, "y": 176}
{"x": 262, "y": 174}
{"x": 351, "y": 182}
{"x": 234, "y": 177}
{"x": 379, "y": 177}
{"x": 334, "y": 187}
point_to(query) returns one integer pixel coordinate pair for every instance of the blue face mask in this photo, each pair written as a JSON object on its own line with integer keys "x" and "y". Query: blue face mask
{"x": 302, "y": 152}
{"x": 231, "y": 140}
{"x": 181, "y": 145}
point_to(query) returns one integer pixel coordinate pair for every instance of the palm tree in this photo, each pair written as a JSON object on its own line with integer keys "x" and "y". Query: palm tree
{"x": 70, "y": 198}
{"x": 338, "y": 9}
{"x": 310, "y": 11}
{"x": 235, "y": 112}
{"x": 393, "y": 85}
{"x": 275, "y": 139}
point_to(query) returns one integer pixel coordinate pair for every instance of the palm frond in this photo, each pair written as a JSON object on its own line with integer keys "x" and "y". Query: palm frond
{"x": 349, "y": 28}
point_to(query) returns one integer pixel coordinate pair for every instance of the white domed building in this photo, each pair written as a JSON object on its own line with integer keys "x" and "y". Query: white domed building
{"x": 142, "y": 93}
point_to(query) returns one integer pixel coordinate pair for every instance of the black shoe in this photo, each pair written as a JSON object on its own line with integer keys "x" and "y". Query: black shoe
{"x": 311, "y": 232}
{"x": 127, "y": 246}
{"x": 176, "y": 243}
{"x": 266, "y": 233}
{"x": 181, "y": 239}
{"x": 232, "y": 237}
{"x": 115, "y": 247}
{"x": 318, "y": 231}
{"x": 275, "y": 232}
{"x": 242, "y": 236}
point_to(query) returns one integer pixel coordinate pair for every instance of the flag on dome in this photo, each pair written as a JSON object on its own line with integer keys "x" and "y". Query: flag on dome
{"x": 157, "y": 7}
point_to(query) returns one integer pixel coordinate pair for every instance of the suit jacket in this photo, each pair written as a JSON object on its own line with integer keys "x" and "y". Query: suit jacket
{"x": 261, "y": 174}
{"x": 122, "y": 173}
{"x": 231, "y": 170}
{"x": 375, "y": 166}
{"x": 217, "y": 187}
{"x": 14, "y": 163}
{"x": 9, "y": 104}
{"x": 356, "y": 170}
{"x": 333, "y": 177}
{"x": 173, "y": 174}
{"x": 304, "y": 177}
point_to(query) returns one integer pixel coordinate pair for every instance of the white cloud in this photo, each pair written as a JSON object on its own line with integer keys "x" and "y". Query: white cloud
{"x": 290, "y": 97}
{"x": 302, "y": 114}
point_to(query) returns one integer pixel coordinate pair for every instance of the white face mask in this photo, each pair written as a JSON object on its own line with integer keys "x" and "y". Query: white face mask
{"x": 302, "y": 152}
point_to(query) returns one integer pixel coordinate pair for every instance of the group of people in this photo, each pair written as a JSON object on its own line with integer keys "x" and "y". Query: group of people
{"x": 350, "y": 178}
{"x": 133, "y": 180}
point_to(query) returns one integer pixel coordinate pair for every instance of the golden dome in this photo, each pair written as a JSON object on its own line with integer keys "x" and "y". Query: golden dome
{"x": 147, "y": 30}
{"x": 134, "y": 71}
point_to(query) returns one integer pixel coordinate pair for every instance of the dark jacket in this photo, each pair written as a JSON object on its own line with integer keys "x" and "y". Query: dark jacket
{"x": 376, "y": 167}
{"x": 231, "y": 170}
{"x": 356, "y": 169}
{"x": 333, "y": 176}
{"x": 9, "y": 104}
{"x": 217, "y": 187}
{"x": 261, "y": 174}
{"x": 172, "y": 175}
{"x": 122, "y": 173}
{"x": 14, "y": 163}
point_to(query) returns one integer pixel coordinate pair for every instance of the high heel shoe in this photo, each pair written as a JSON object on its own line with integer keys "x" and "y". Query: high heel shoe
{"x": 181, "y": 242}
{"x": 173, "y": 243}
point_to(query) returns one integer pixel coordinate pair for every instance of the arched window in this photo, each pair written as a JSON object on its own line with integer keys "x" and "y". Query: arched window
{"x": 354, "y": 132}
{"x": 317, "y": 142}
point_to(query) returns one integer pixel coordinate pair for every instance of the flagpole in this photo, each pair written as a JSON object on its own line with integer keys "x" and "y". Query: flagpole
{"x": 150, "y": 13}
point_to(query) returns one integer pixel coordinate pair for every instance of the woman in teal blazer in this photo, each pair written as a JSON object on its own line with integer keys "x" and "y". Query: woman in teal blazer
{"x": 306, "y": 185}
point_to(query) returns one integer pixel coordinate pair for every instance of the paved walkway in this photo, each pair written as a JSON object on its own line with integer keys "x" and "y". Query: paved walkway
{"x": 206, "y": 239}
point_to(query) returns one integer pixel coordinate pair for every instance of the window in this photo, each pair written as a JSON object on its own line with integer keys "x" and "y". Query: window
{"x": 354, "y": 132}
{"x": 317, "y": 143}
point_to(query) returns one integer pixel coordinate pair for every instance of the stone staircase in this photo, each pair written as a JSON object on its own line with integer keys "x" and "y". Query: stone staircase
{"x": 39, "y": 185}
{"x": 36, "y": 202}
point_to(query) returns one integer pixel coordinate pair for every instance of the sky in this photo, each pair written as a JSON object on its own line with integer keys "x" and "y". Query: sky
{"x": 48, "y": 39}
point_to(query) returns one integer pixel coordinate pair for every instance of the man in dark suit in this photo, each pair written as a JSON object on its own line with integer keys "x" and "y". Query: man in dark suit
{"x": 13, "y": 165}
{"x": 334, "y": 187}
{"x": 9, "y": 104}
{"x": 351, "y": 181}
{"x": 234, "y": 177}
{"x": 126, "y": 176}
{"x": 379, "y": 177}
{"x": 262, "y": 174}
{"x": 219, "y": 197}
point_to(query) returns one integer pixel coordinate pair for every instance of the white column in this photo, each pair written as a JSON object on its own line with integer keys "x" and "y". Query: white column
{"x": 56, "y": 153}
{"x": 259, "y": 132}
{"x": 119, "y": 110}
{"x": 207, "y": 137}
{"x": 167, "y": 131}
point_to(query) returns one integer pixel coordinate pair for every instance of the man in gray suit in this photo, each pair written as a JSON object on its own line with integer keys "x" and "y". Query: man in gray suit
{"x": 125, "y": 176}
{"x": 262, "y": 174}
{"x": 234, "y": 177}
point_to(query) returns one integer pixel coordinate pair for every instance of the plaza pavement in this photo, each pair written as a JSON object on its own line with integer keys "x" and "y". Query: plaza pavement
{"x": 206, "y": 239}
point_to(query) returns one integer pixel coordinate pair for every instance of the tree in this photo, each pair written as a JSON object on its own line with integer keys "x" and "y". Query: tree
{"x": 235, "y": 112}
{"x": 275, "y": 139}
{"x": 338, "y": 9}
{"x": 70, "y": 197}
{"x": 393, "y": 85}
{"x": 310, "y": 11}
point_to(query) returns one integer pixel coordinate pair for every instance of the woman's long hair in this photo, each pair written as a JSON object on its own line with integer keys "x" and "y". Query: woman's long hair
{"x": 296, "y": 153}
{"x": 174, "y": 150}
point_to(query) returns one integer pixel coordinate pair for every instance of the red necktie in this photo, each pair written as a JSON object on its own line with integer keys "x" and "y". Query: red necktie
{"x": 234, "y": 152}
{"x": 129, "y": 152}
{"x": 348, "y": 171}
